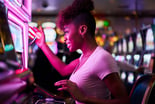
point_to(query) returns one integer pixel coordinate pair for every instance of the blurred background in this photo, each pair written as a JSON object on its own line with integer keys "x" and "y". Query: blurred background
{"x": 113, "y": 17}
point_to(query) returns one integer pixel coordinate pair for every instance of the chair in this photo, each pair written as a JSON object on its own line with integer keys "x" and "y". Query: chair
{"x": 143, "y": 90}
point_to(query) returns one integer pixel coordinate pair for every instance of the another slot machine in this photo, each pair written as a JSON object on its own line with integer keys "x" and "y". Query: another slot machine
{"x": 130, "y": 45}
{"x": 138, "y": 50}
{"x": 120, "y": 50}
{"x": 114, "y": 50}
{"x": 130, "y": 49}
{"x": 139, "y": 42}
{"x": 124, "y": 45}
{"x": 136, "y": 58}
{"x": 150, "y": 38}
{"x": 149, "y": 49}
{"x": 50, "y": 35}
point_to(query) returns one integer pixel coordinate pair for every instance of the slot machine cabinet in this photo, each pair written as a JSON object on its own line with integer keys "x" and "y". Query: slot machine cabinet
{"x": 139, "y": 42}
{"x": 149, "y": 47}
{"x": 130, "y": 47}
{"x": 14, "y": 74}
{"x": 120, "y": 50}
{"x": 124, "y": 45}
{"x": 19, "y": 14}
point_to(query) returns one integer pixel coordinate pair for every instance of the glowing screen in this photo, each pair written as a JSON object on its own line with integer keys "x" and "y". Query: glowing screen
{"x": 33, "y": 24}
{"x": 149, "y": 39}
{"x": 130, "y": 78}
{"x": 130, "y": 44}
{"x": 139, "y": 43}
{"x": 136, "y": 59}
{"x": 128, "y": 57}
{"x": 123, "y": 76}
{"x": 146, "y": 61}
{"x": 124, "y": 46}
{"x": 119, "y": 47}
{"x": 16, "y": 33}
{"x": 120, "y": 58}
{"x": 50, "y": 36}
{"x": 115, "y": 49}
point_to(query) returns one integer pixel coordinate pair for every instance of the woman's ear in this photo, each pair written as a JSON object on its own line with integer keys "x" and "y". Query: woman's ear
{"x": 83, "y": 29}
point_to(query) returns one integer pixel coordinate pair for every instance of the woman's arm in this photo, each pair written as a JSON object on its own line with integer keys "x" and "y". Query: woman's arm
{"x": 56, "y": 62}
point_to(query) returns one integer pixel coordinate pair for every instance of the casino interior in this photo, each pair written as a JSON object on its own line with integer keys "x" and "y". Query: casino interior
{"x": 125, "y": 28}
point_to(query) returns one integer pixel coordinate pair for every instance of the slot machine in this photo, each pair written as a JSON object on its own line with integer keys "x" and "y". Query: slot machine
{"x": 130, "y": 45}
{"x": 139, "y": 42}
{"x": 50, "y": 35}
{"x": 130, "y": 49}
{"x": 15, "y": 75}
{"x": 150, "y": 38}
{"x": 149, "y": 48}
{"x": 138, "y": 50}
{"x": 124, "y": 45}
{"x": 136, "y": 58}
{"x": 120, "y": 46}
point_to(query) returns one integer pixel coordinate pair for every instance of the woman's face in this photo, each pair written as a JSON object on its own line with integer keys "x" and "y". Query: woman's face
{"x": 72, "y": 37}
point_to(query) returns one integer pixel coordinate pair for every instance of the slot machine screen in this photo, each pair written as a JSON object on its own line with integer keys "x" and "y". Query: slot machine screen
{"x": 128, "y": 58}
{"x": 115, "y": 49}
{"x": 123, "y": 75}
{"x": 149, "y": 39}
{"x": 50, "y": 36}
{"x": 116, "y": 58}
{"x": 136, "y": 60}
{"x": 33, "y": 24}
{"x": 130, "y": 45}
{"x": 16, "y": 33}
{"x": 146, "y": 60}
{"x": 124, "y": 46}
{"x": 113, "y": 55}
{"x": 120, "y": 58}
{"x": 130, "y": 78}
{"x": 119, "y": 47}
{"x": 139, "y": 43}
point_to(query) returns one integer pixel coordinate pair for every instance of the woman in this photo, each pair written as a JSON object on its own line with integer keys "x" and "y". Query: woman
{"x": 94, "y": 76}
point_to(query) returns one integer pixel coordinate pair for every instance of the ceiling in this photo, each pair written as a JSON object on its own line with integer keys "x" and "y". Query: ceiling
{"x": 102, "y": 7}
{"x": 139, "y": 12}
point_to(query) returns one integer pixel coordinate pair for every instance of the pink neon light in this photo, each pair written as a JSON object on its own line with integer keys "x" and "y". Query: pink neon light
{"x": 19, "y": 71}
{"x": 17, "y": 10}
{"x": 25, "y": 37}
{"x": 28, "y": 6}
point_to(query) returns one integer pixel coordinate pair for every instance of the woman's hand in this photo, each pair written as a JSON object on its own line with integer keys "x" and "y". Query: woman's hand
{"x": 72, "y": 88}
{"x": 38, "y": 34}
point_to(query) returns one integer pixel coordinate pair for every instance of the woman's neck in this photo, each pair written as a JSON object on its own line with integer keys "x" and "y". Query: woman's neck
{"x": 88, "y": 47}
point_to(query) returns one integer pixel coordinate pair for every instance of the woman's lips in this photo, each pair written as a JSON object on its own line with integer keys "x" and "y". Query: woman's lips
{"x": 68, "y": 44}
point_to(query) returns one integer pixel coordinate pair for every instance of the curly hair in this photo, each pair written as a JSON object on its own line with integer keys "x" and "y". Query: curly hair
{"x": 78, "y": 12}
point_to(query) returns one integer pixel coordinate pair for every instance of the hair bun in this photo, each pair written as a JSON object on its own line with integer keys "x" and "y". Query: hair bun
{"x": 83, "y": 5}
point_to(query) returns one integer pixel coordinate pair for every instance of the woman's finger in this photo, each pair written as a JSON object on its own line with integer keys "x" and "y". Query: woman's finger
{"x": 63, "y": 88}
{"x": 61, "y": 82}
